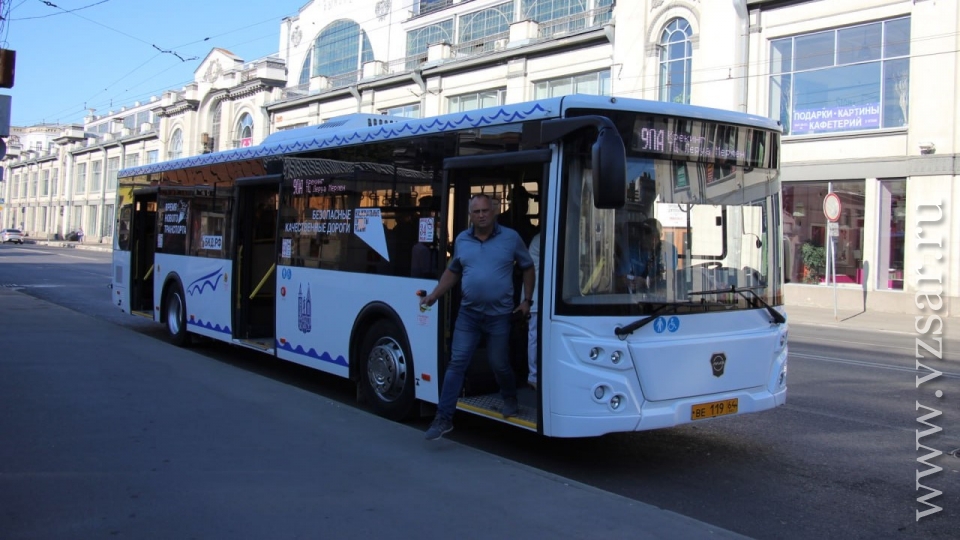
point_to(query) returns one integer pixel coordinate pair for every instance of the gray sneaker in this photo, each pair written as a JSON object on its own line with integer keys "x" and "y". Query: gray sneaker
{"x": 510, "y": 408}
{"x": 439, "y": 428}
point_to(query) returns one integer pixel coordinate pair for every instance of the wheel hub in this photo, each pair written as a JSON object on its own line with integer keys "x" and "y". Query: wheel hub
{"x": 387, "y": 369}
{"x": 174, "y": 317}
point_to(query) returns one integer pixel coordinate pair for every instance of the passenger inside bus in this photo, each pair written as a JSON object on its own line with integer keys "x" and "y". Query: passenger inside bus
{"x": 516, "y": 215}
{"x": 423, "y": 255}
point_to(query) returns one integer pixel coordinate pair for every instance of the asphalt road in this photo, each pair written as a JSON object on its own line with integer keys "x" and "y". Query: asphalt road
{"x": 838, "y": 461}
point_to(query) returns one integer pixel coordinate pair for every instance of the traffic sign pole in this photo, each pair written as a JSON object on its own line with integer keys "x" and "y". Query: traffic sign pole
{"x": 832, "y": 208}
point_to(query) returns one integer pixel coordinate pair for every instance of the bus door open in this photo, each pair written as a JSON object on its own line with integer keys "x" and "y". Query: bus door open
{"x": 255, "y": 258}
{"x": 516, "y": 183}
{"x": 143, "y": 245}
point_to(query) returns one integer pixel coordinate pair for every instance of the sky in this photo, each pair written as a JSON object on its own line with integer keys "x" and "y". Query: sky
{"x": 74, "y": 55}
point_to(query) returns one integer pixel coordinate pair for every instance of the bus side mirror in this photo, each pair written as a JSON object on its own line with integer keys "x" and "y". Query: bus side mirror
{"x": 609, "y": 156}
{"x": 609, "y": 170}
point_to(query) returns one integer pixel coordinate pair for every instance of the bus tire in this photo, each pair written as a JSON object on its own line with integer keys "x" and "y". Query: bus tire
{"x": 386, "y": 371}
{"x": 175, "y": 316}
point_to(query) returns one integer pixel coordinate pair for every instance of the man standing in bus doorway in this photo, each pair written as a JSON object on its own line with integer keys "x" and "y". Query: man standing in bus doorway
{"x": 483, "y": 259}
{"x": 532, "y": 319}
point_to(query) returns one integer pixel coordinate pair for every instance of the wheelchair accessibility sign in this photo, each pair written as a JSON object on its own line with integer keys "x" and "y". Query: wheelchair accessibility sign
{"x": 664, "y": 323}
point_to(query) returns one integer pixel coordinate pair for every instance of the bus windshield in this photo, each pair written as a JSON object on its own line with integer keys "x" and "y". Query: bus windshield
{"x": 694, "y": 221}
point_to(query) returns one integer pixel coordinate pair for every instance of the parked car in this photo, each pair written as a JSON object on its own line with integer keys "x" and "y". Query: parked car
{"x": 11, "y": 235}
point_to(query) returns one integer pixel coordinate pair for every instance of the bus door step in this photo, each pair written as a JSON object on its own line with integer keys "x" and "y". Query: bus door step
{"x": 489, "y": 405}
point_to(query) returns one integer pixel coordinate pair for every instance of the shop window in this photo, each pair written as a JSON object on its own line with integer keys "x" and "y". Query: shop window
{"x": 849, "y": 79}
{"x": 893, "y": 219}
{"x": 805, "y": 232}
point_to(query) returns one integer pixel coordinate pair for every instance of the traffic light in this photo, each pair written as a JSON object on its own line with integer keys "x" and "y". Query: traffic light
{"x": 8, "y": 64}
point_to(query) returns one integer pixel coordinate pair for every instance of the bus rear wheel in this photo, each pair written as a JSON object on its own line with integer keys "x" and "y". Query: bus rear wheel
{"x": 386, "y": 376}
{"x": 175, "y": 316}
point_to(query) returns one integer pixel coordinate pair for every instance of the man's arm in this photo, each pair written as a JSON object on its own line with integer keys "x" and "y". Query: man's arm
{"x": 447, "y": 281}
{"x": 529, "y": 279}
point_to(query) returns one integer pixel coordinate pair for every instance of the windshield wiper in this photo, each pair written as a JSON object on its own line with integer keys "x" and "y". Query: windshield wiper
{"x": 777, "y": 317}
{"x": 624, "y": 331}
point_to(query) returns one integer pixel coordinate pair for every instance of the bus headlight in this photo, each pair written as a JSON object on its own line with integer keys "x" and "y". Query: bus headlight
{"x": 782, "y": 379}
{"x": 615, "y": 357}
{"x": 595, "y": 353}
{"x": 599, "y": 392}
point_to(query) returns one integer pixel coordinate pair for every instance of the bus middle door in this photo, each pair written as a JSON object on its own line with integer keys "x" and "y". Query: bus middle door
{"x": 515, "y": 182}
{"x": 255, "y": 258}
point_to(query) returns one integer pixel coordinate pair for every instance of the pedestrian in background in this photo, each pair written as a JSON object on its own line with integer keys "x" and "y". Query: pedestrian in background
{"x": 483, "y": 260}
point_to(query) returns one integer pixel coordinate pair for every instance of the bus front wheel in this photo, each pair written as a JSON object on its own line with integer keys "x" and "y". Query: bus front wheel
{"x": 175, "y": 316}
{"x": 386, "y": 376}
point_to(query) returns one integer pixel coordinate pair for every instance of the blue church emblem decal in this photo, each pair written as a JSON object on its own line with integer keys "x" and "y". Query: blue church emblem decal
{"x": 304, "y": 310}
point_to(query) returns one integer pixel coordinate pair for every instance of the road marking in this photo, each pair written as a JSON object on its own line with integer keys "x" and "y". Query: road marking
{"x": 820, "y": 339}
{"x": 84, "y": 258}
{"x": 838, "y": 326}
{"x": 948, "y": 374}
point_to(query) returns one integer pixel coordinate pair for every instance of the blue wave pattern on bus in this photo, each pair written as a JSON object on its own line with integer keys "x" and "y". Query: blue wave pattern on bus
{"x": 312, "y": 353}
{"x": 410, "y": 128}
{"x": 196, "y": 287}
{"x": 214, "y": 327}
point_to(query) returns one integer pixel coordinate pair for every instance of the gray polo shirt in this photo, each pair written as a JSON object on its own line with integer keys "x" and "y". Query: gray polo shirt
{"x": 486, "y": 269}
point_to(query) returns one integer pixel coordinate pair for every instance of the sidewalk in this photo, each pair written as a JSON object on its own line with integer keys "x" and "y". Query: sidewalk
{"x": 111, "y": 432}
{"x": 89, "y": 246}
{"x": 882, "y": 321}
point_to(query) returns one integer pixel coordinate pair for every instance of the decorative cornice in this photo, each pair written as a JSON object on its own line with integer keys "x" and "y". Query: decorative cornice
{"x": 179, "y": 107}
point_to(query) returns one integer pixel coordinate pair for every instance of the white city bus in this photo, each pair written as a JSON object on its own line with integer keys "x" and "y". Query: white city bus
{"x": 313, "y": 246}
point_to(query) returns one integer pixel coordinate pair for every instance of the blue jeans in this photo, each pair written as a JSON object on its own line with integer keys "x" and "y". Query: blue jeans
{"x": 470, "y": 327}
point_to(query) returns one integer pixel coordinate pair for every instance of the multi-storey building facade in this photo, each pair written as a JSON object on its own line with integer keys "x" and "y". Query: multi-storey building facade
{"x": 864, "y": 90}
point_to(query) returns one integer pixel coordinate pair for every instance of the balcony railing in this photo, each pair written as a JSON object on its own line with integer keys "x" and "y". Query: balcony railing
{"x": 575, "y": 23}
{"x": 494, "y": 42}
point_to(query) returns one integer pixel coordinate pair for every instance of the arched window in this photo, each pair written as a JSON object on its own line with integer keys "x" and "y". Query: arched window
{"x": 342, "y": 47}
{"x": 214, "y": 144}
{"x": 244, "y": 131}
{"x": 676, "y": 54}
{"x": 176, "y": 144}
{"x": 305, "y": 69}
{"x": 420, "y": 39}
{"x": 488, "y": 22}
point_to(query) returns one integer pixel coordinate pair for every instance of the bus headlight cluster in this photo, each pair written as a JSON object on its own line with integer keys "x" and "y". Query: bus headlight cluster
{"x": 605, "y": 395}
{"x": 597, "y": 352}
{"x": 782, "y": 379}
{"x": 615, "y": 402}
{"x": 783, "y": 340}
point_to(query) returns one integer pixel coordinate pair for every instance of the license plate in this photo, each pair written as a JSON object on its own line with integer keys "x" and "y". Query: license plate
{"x": 714, "y": 409}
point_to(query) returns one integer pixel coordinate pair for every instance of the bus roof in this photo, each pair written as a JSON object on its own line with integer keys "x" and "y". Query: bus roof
{"x": 354, "y": 129}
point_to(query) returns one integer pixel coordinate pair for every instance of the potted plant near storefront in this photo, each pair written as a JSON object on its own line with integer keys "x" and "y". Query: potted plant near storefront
{"x": 814, "y": 262}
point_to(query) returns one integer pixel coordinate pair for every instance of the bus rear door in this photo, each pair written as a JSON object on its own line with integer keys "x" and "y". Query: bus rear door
{"x": 143, "y": 245}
